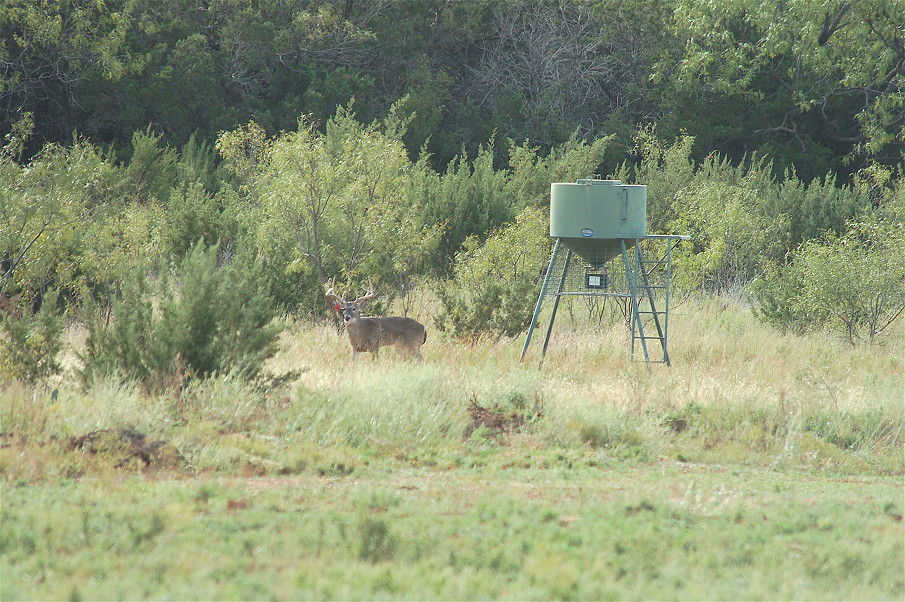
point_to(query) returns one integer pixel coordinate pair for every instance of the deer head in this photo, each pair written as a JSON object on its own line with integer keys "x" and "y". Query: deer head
{"x": 351, "y": 309}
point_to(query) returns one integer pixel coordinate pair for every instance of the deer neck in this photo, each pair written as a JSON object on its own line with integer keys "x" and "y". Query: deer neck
{"x": 355, "y": 324}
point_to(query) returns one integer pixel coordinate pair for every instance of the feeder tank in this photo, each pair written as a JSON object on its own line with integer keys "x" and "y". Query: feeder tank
{"x": 592, "y": 215}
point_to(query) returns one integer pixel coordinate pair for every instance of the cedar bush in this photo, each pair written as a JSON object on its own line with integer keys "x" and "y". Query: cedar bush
{"x": 199, "y": 319}
{"x": 31, "y": 342}
{"x": 495, "y": 286}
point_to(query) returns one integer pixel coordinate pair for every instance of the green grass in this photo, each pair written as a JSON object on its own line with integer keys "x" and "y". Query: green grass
{"x": 651, "y": 531}
{"x": 760, "y": 466}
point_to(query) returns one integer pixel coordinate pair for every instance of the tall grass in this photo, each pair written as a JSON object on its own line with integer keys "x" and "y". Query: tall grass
{"x": 737, "y": 392}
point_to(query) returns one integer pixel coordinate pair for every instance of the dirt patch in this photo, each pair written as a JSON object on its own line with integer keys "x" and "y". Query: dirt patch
{"x": 127, "y": 446}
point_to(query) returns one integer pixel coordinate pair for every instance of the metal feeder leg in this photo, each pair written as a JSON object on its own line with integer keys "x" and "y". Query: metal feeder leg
{"x": 636, "y": 318}
{"x": 562, "y": 282}
{"x": 540, "y": 299}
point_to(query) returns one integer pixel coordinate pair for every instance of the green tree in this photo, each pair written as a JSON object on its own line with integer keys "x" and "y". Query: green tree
{"x": 32, "y": 343}
{"x": 44, "y": 207}
{"x": 802, "y": 82}
{"x": 853, "y": 283}
{"x": 333, "y": 203}
{"x": 470, "y": 199}
{"x": 494, "y": 285}
{"x": 731, "y": 239}
{"x": 666, "y": 169}
{"x": 151, "y": 171}
{"x": 814, "y": 208}
{"x": 49, "y": 50}
{"x": 741, "y": 218}
{"x": 117, "y": 241}
{"x": 532, "y": 173}
{"x": 202, "y": 320}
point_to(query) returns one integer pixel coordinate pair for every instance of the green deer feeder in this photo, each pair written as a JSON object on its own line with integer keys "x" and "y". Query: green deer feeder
{"x": 602, "y": 249}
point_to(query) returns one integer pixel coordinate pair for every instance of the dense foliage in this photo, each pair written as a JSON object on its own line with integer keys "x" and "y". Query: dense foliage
{"x": 493, "y": 289}
{"x": 813, "y": 84}
{"x": 209, "y": 319}
{"x": 851, "y": 283}
{"x": 31, "y": 344}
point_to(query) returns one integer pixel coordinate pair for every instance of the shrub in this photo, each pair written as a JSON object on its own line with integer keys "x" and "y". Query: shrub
{"x": 151, "y": 171}
{"x": 814, "y": 208}
{"x": 665, "y": 170}
{"x": 853, "y": 283}
{"x": 470, "y": 199}
{"x": 207, "y": 319}
{"x": 730, "y": 239}
{"x": 192, "y": 215}
{"x": 45, "y": 208}
{"x": 532, "y": 173}
{"x": 338, "y": 202}
{"x": 31, "y": 344}
{"x": 494, "y": 286}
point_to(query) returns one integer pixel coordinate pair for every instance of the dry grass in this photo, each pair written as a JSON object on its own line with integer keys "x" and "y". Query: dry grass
{"x": 735, "y": 369}
{"x": 737, "y": 392}
{"x": 721, "y": 356}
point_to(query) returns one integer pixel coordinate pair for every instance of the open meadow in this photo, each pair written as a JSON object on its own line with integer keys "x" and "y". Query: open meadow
{"x": 761, "y": 465}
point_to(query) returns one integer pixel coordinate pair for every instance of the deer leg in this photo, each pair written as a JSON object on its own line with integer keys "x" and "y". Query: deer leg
{"x": 412, "y": 352}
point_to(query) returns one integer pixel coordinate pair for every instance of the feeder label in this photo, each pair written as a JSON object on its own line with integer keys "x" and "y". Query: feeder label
{"x": 587, "y": 233}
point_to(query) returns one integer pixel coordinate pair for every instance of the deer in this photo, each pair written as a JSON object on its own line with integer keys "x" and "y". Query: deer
{"x": 370, "y": 334}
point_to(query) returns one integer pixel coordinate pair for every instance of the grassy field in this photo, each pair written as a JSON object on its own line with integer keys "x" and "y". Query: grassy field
{"x": 761, "y": 465}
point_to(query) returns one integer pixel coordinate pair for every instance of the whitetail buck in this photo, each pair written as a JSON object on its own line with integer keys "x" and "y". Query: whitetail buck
{"x": 370, "y": 334}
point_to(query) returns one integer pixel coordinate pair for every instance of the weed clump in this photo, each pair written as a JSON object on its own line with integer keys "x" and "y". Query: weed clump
{"x": 499, "y": 420}
{"x": 377, "y": 543}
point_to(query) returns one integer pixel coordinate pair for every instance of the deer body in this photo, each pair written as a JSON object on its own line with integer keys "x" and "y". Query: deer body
{"x": 368, "y": 335}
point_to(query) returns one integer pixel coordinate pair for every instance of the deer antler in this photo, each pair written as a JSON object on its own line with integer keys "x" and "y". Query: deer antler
{"x": 330, "y": 294}
{"x": 368, "y": 295}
